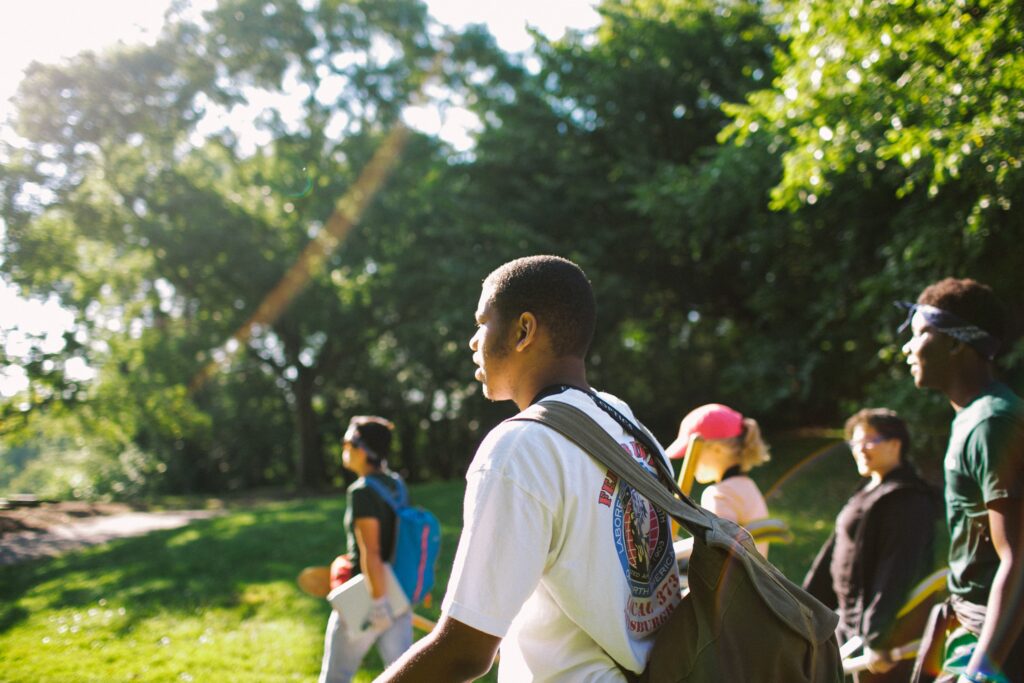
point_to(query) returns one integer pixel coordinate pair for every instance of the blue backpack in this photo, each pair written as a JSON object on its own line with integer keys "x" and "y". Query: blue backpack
{"x": 417, "y": 541}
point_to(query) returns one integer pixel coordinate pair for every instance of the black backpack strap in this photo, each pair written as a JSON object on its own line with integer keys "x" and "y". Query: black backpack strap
{"x": 582, "y": 430}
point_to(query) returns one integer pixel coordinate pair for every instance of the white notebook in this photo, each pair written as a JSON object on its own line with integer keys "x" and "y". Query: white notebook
{"x": 353, "y": 602}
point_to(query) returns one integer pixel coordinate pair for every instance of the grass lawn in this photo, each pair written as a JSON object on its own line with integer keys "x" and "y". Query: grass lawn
{"x": 805, "y": 483}
{"x": 217, "y": 601}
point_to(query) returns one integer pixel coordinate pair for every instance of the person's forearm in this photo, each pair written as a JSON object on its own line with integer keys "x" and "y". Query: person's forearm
{"x": 372, "y": 567}
{"x": 1004, "y": 618}
{"x": 429, "y": 660}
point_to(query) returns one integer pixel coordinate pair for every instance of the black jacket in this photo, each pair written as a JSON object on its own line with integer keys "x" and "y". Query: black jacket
{"x": 894, "y": 549}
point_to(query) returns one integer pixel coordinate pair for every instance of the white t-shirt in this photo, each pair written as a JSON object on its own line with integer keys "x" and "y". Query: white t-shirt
{"x": 548, "y": 559}
{"x": 737, "y": 499}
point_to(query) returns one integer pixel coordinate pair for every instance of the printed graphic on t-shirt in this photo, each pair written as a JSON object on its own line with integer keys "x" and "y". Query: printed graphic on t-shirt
{"x": 643, "y": 542}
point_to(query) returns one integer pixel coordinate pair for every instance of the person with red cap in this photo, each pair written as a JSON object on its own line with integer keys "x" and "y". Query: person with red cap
{"x": 732, "y": 446}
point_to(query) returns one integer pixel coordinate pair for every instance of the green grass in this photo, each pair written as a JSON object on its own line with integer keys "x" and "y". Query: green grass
{"x": 820, "y": 476}
{"x": 217, "y": 600}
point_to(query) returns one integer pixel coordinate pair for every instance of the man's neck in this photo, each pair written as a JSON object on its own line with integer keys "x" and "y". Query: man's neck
{"x": 968, "y": 385}
{"x": 568, "y": 371}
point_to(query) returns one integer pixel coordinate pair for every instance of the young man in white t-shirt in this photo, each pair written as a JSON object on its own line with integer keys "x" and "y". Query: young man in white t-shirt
{"x": 570, "y": 572}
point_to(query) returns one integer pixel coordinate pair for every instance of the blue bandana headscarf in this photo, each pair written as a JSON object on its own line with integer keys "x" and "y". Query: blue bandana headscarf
{"x": 954, "y": 326}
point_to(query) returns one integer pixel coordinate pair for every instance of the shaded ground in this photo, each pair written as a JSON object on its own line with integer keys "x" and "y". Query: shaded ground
{"x": 55, "y": 528}
{"x": 46, "y": 515}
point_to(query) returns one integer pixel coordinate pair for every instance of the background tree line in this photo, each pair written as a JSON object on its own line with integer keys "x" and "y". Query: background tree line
{"x": 749, "y": 185}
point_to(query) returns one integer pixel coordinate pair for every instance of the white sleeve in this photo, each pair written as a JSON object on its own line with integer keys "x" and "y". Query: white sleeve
{"x": 502, "y": 553}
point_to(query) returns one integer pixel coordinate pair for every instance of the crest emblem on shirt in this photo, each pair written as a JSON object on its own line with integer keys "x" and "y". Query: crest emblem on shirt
{"x": 643, "y": 542}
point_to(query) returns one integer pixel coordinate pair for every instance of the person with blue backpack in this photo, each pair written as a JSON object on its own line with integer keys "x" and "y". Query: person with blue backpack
{"x": 370, "y": 523}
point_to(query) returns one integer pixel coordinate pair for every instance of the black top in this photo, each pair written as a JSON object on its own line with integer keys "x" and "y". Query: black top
{"x": 882, "y": 547}
{"x": 845, "y": 581}
{"x": 734, "y": 471}
{"x": 362, "y": 501}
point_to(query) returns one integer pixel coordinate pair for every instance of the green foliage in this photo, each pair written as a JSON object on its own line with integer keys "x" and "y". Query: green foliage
{"x": 164, "y": 242}
{"x": 898, "y": 125}
{"x": 749, "y": 186}
{"x": 603, "y": 155}
{"x": 933, "y": 88}
{"x": 61, "y": 469}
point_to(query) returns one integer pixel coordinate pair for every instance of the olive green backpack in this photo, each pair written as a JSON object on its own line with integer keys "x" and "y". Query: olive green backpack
{"x": 742, "y": 620}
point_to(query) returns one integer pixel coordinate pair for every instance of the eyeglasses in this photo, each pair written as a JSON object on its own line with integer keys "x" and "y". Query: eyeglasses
{"x": 866, "y": 443}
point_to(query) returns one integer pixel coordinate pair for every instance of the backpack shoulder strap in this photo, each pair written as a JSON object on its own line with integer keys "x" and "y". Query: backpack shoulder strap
{"x": 582, "y": 430}
{"x": 402, "y": 489}
{"x": 394, "y": 500}
{"x": 793, "y": 606}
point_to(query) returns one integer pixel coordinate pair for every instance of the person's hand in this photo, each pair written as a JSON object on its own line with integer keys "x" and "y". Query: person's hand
{"x": 979, "y": 677}
{"x": 879, "y": 661}
{"x": 379, "y": 617}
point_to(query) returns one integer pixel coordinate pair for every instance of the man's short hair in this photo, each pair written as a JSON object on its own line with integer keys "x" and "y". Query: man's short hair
{"x": 372, "y": 434}
{"x": 884, "y": 421}
{"x": 556, "y": 291}
{"x": 970, "y": 300}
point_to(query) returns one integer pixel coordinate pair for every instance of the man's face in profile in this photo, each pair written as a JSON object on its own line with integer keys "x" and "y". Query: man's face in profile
{"x": 492, "y": 349}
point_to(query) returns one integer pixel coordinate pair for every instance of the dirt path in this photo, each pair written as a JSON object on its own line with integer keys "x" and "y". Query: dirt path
{"x": 52, "y": 530}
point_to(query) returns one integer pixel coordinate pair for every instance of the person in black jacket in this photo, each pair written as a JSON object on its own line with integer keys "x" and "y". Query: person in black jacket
{"x": 882, "y": 545}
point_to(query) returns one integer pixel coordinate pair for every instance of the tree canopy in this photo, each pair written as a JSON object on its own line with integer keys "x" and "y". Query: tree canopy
{"x": 749, "y": 186}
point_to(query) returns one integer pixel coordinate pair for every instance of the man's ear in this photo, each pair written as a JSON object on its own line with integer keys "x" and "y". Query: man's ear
{"x": 963, "y": 350}
{"x": 526, "y": 330}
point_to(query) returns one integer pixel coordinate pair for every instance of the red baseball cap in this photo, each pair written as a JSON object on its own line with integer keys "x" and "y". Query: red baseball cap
{"x": 710, "y": 422}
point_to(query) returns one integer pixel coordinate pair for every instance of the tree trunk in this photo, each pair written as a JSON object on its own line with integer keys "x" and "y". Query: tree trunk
{"x": 311, "y": 472}
{"x": 407, "y": 432}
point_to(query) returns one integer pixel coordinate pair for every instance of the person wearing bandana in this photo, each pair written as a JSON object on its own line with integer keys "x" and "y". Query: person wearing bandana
{"x": 978, "y": 634}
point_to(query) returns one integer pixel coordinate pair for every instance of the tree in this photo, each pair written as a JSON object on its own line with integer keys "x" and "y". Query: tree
{"x": 730, "y": 173}
{"x": 165, "y": 241}
{"x": 899, "y": 127}
{"x": 605, "y": 153}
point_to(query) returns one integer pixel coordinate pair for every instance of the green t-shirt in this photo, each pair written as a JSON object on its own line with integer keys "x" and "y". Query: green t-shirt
{"x": 984, "y": 463}
{"x": 362, "y": 501}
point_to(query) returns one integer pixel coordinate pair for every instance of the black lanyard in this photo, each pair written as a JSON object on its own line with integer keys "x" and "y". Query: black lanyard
{"x": 734, "y": 471}
{"x": 553, "y": 390}
{"x": 639, "y": 434}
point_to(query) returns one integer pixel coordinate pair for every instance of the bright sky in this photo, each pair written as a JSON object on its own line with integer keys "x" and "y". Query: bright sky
{"x": 51, "y": 30}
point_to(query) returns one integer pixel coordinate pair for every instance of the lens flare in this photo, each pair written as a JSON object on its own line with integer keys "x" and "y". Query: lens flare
{"x": 303, "y": 187}
{"x": 347, "y": 212}
{"x": 822, "y": 452}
